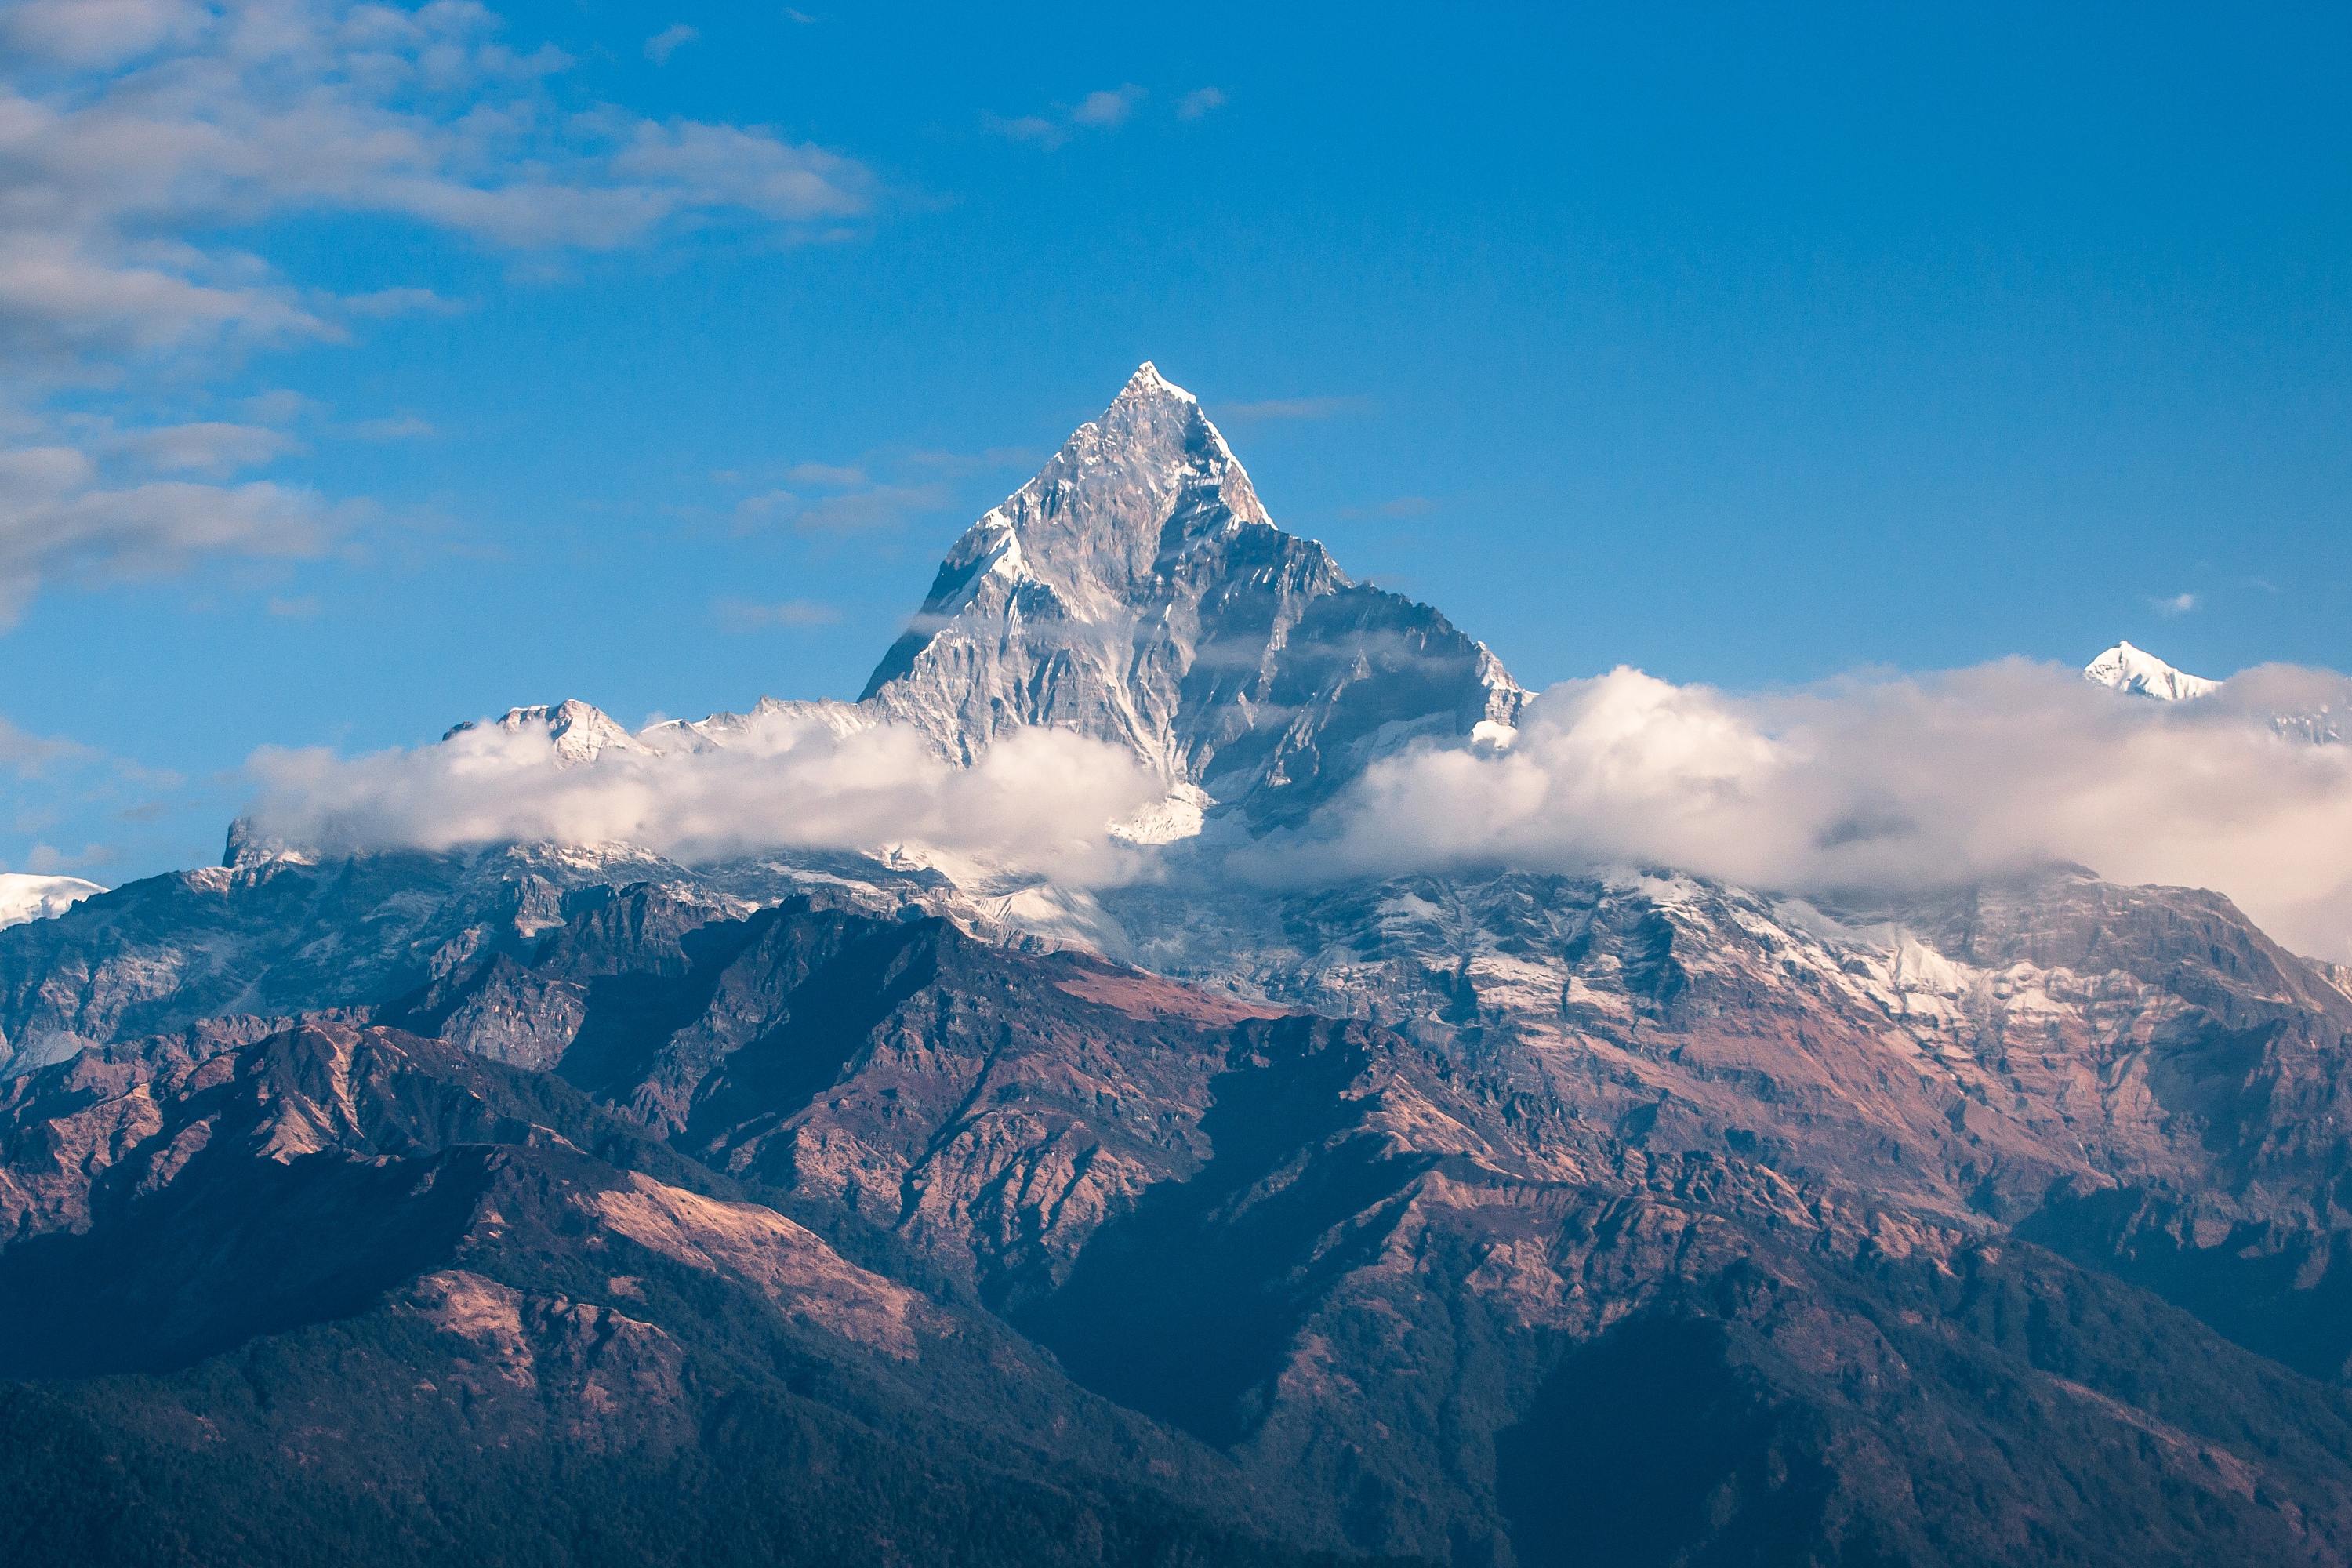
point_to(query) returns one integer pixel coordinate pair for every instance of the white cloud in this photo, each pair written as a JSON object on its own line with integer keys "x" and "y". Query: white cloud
{"x": 1878, "y": 785}
{"x": 2174, "y": 604}
{"x": 58, "y": 518}
{"x": 1041, "y": 801}
{"x": 390, "y": 427}
{"x": 213, "y": 448}
{"x": 29, "y": 755}
{"x": 669, "y": 41}
{"x": 1033, "y": 128}
{"x": 135, "y": 133}
{"x": 1292, "y": 408}
{"x": 99, "y": 32}
{"x": 170, "y": 120}
{"x": 1201, "y": 100}
{"x": 404, "y": 302}
{"x": 853, "y": 511}
{"x": 1109, "y": 108}
{"x": 840, "y": 475}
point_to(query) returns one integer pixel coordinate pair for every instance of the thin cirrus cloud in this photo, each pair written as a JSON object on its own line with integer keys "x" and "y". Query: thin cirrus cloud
{"x": 1291, "y": 408}
{"x": 2174, "y": 604}
{"x": 846, "y": 501}
{"x": 389, "y": 428}
{"x": 61, "y": 518}
{"x": 216, "y": 449}
{"x": 669, "y": 40}
{"x": 790, "y": 615}
{"x": 1105, "y": 109}
{"x": 1394, "y": 508}
{"x": 134, "y": 133}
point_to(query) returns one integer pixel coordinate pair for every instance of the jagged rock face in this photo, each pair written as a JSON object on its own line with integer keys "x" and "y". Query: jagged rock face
{"x": 1625, "y": 1129}
{"x": 1136, "y": 590}
{"x": 480, "y": 1258}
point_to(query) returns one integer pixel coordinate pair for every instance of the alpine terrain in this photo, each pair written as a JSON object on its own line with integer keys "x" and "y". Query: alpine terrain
{"x": 554, "y": 1202}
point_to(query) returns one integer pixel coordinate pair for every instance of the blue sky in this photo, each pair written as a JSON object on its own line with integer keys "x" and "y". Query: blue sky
{"x": 658, "y": 370}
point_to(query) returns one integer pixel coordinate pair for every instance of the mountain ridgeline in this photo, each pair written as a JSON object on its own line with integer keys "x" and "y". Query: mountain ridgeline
{"x": 563, "y": 1205}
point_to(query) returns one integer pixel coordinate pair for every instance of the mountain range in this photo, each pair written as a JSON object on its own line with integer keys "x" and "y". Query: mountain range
{"x": 565, "y": 1202}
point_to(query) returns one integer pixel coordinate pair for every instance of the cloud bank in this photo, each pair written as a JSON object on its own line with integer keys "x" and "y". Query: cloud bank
{"x": 1879, "y": 784}
{"x": 1888, "y": 783}
{"x": 1043, "y": 802}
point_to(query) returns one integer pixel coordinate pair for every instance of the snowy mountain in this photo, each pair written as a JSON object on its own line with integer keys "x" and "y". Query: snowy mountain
{"x": 1488, "y": 1218}
{"x": 2139, "y": 673}
{"x": 25, "y": 897}
{"x": 581, "y": 732}
{"x": 1136, "y": 589}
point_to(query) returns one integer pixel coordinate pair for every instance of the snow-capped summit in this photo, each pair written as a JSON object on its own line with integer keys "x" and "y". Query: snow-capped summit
{"x": 719, "y": 730}
{"x": 2139, "y": 673}
{"x": 25, "y": 896}
{"x": 1136, "y": 589}
{"x": 579, "y": 731}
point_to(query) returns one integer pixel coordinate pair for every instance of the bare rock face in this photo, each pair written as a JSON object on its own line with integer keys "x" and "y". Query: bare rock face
{"x": 1136, "y": 590}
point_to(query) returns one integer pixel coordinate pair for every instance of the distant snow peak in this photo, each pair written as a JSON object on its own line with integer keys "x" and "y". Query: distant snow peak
{"x": 2139, "y": 673}
{"x": 25, "y": 896}
{"x": 580, "y": 731}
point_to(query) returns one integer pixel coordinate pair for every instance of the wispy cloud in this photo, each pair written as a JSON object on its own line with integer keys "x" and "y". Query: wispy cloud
{"x": 1105, "y": 109}
{"x": 2174, "y": 604}
{"x": 1108, "y": 108}
{"x": 829, "y": 474}
{"x": 389, "y": 428}
{"x": 795, "y": 614}
{"x": 1032, "y": 128}
{"x": 669, "y": 41}
{"x": 49, "y": 773}
{"x": 1292, "y": 408}
{"x": 404, "y": 302}
{"x": 1396, "y": 507}
{"x": 212, "y": 449}
{"x": 136, "y": 134}
{"x": 1201, "y": 100}
{"x": 59, "y": 517}
{"x": 960, "y": 465}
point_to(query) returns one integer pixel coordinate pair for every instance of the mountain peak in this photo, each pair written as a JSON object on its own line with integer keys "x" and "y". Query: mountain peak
{"x": 580, "y": 731}
{"x": 2137, "y": 672}
{"x": 1146, "y": 382}
{"x": 1137, "y": 591}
